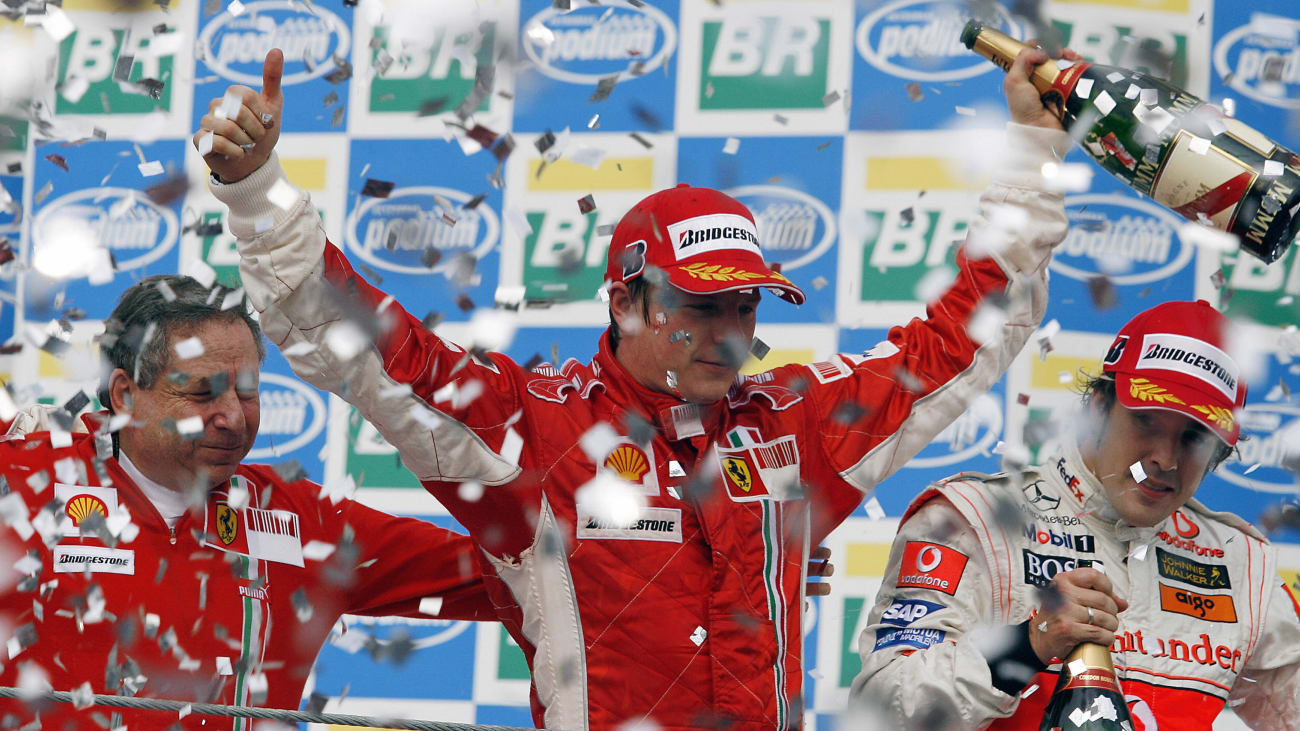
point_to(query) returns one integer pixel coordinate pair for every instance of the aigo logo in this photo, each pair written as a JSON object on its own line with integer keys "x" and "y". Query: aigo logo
{"x": 585, "y": 45}
{"x": 794, "y": 228}
{"x": 920, "y": 40}
{"x": 971, "y": 434}
{"x": 1262, "y": 61}
{"x": 1118, "y": 228}
{"x": 235, "y": 47}
{"x": 1257, "y": 463}
{"x": 290, "y": 408}
{"x": 394, "y": 233}
{"x": 135, "y": 229}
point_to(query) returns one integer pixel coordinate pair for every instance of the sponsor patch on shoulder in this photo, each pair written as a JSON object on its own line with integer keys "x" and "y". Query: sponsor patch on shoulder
{"x": 95, "y": 559}
{"x": 906, "y": 611}
{"x": 917, "y": 637}
{"x": 653, "y": 524}
{"x": 931, "y": 566}
{"x": 1211, "y": 608}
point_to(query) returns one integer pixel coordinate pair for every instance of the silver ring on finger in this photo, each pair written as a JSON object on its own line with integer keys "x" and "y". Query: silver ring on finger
{"x": 1091, "y": 614}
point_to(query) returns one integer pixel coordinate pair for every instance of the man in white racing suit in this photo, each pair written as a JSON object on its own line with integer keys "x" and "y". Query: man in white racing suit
{"x": 1101, "y": 543}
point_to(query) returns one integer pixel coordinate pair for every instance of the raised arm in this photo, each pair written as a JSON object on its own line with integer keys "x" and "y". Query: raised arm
{"x": 318, "y": 310}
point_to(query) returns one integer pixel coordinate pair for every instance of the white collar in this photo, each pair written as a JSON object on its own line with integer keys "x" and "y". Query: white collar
{"x": 171, "y": 504}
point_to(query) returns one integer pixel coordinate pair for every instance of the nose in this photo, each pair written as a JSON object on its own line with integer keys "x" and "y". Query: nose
{"x": 1165, "y": 451}
{"x": 227, "y": 412}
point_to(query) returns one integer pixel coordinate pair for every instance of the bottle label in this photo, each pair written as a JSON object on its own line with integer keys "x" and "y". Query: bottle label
{"x": 1066, "y": 81}
{"x": 1204, "y": 181}
{"x": 1092, "y": 678}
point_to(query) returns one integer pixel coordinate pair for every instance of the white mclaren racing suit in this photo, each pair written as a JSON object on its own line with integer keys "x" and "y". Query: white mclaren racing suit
{"x": 1209, "y": 620}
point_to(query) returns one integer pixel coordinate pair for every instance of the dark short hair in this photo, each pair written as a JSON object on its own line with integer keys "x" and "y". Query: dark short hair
{"x": 137, "y": 336}
{"x": 1101, "y": 390}
{"x": 638, "y": 289}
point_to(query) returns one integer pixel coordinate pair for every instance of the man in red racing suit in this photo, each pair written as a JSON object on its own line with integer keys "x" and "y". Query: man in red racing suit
{"x": 645, "y": 518}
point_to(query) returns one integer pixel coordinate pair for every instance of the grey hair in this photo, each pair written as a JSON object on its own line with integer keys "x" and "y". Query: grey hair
{"x": 138, "y": 334}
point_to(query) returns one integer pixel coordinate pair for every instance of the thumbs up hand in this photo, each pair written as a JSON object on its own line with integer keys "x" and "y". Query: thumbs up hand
{"x": 235, "y": 142}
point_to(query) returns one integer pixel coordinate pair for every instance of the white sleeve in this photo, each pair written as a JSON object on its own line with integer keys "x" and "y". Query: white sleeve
{"x": 921, "y": 665}
{"x": 1267, "y": 693}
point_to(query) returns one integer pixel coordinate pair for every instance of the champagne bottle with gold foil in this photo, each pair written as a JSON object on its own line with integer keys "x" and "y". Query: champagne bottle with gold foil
{"x": 1088, "y": 695}
{"x": 1169, "y": 145}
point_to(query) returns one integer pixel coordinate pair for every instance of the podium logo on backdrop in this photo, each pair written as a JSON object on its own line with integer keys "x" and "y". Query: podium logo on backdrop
{"x": 764, "y": 62}
{"x": 920, "y": 40}
{"x": 1270, "y": 435}
{"x": 418, "y": 226}
{"x": 585, "y": 45}
{"x": 1262, "y": 61}
{"x": 973, "y": 434}
{"x": 794, "y": 228}
{"x": 1137, "y": 241}
{"x": 133, "y": 228}
{"x": 235, "y": 46}
{"x": 293, "y": 415}
{"x": 92, "y": 54}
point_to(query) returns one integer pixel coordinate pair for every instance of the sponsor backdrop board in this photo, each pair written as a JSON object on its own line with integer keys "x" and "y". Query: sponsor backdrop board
{"x": 859, "y": 132}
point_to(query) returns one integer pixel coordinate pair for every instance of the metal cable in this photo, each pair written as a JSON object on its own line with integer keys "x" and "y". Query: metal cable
{"x": 272, "y": 714}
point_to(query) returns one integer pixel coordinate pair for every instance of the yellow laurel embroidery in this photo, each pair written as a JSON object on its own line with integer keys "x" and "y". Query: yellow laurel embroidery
{"x": 1144, "y": 390}
{"x": 1216, "y": 414}
{"x": 719, "y": 273}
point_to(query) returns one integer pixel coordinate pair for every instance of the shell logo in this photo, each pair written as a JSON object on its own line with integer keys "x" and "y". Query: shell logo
{"x": 629, "y": 462}
{"x": 82, "y": 506}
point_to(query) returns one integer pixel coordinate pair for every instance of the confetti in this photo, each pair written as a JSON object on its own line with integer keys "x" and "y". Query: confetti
{"x": 1083, "y": 89}
{"x": 603, "y": 89}
{"x": 189, "y": 347}
{"x": 1199, "y": 145}
{"x": 1139, "y": 474}
{"x": 731, "y": 146}
{"x": 874, "y": 510}
{"x": 431, "y": 605}
{"x": 594, "y": 122}
{"x": 964, "y": 111}
{"x": 1078, "y": 716}
{"x": 830, "y": 98}
{"x": 1273, "y": 168}
{"x": 759, "y": 349}
{"x": 1102, "y": 291}
{"x": 1077, "y": 666}
{"x": 283, "y": 195}
{"x": 698, "y": 636}
{"x": 190, "y": 427}
{"x": 914, "y": 92}
{"x": 587, "y": 203}
{"x": 377, "y": 188}
{"x": 150, "y": 168}
{"x": 1104, "y": 103}
{"x": 1209, "y": 238}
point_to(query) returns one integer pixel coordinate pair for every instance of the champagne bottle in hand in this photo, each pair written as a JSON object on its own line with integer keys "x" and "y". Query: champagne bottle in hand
{"x": 1170, "y": 145}
{"x": 1088, "y": 695}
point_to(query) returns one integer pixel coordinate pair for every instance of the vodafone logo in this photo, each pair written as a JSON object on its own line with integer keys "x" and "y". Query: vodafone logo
{"x": 931, "y": 566}
{"x": 928, "y": 559}
{"x": 1184, "y": 525}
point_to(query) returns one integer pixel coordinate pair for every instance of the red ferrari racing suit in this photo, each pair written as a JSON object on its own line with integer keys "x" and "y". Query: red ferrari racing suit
{"x": 228, "y": 606}
{"x": 690, "y": 614}
{"x": 1209, "y": 620}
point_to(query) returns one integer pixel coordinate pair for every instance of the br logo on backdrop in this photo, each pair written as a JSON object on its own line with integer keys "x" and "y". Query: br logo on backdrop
{"x": 1139, "y": 239}
{"x": 410, "y": 228}
{"x": 765, "y": 62}
{"x": 592, "y": 42}
{"x": 1262, "y": 60}
{"x": 91, "y": 54}
{"x": 134, "y": 229}
{"x": 293, "y": 416}
{"x": 235, "y": 46}
{"x": 444, "y": 68}
{"x": 794, "y": 228}
{"x": 920, "y": 40}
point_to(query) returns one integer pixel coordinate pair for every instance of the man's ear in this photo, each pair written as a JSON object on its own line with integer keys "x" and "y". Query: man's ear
{"x": 620, "y": 301}
{"x": 120, "y": 390}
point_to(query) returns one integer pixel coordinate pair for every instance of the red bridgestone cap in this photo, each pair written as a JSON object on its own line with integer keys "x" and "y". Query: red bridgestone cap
{"x": 1173, "y": 357}
{"x": 703, "y": 239}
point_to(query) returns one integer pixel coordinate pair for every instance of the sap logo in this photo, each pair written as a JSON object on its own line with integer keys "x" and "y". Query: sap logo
{"x": 906, "y": 611}
{"x": 972, "y": 434}
{"x": 293, "y": 414}
{"x": 401, "y": 232}
{"x": 794, "y": 228}
{"x": 1262, "y": 60}
{"x": 235, "y": 47}
{"x": 1121, "y": 230}
{"x": 1257, "y": 463}
{"x": 585, "y": 45}
{"x": 136, "y": 230}
{"x": 920, "y": 40}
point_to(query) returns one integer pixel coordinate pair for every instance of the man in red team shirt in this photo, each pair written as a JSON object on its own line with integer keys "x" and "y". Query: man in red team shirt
{"x": 685, "y": 608}
{"x": 143, "y": 558}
